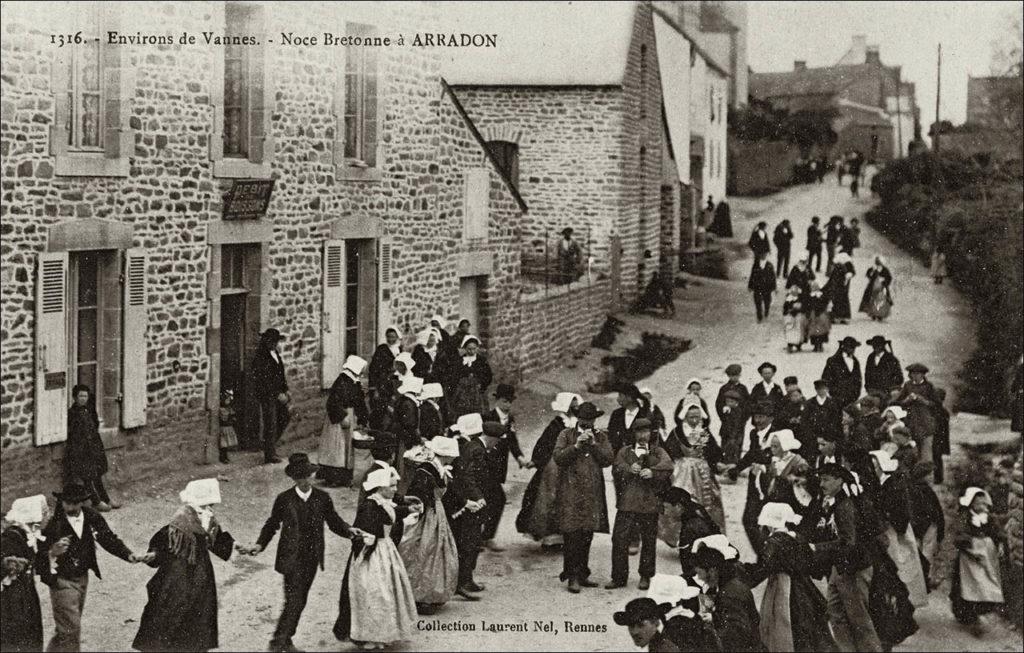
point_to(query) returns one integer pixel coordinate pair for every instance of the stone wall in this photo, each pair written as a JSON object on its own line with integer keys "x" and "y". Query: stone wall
{"x": 760, "y": 166}
{"x": 170, "y": 196}
{"x": 545, "y": 341}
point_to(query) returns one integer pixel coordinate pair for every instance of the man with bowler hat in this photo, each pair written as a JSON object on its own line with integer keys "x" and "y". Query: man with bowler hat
{"x": 767, "y": 389}
{"x": 645, "y": 618}
{"x": 65, "y": 555}
{"x": 842, "y": 372}
{"x": 300, "y": 512}
{"x": 756, "y": 454}
{"x": 882, "y": 370}
{"x": 497, "y": 456}
{"x": 581, "y": 452}
{"x": 271, "y": 388}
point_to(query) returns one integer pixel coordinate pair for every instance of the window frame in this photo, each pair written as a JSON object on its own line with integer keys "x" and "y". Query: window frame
{"x": 349, "y": 168}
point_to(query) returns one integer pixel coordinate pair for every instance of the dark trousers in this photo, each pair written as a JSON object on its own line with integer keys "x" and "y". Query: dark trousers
{"x": 762, "y": 303}
{"x": 782, "y": 261}
{"x": 296, "y": 589}
{"x": 576, "y": 555}
{"x": 814, "y": 258}
{"x": 831, "y": 249}
{"x": 491, "y": 514}
{"x": 938, "y": 472}
{"x": 274, "y": 418}
{"x": 96, "y": 488}
{"x": 468, "y": 529}
{"x": 629, "y": 525}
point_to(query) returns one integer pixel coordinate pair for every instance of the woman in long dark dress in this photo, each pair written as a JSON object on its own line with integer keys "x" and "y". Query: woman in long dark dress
{"x": 470, "y": 377}
{"x": 540, "y": 492}
{"x": 838, "y": 288}
{"x": 346, "y": 409}
{"x": 382, "y": 367}
{"x": 21, "y": 628}
{"x": 793, "y": 612}
{"x": 181, "y": 613}
{"x": 85, "y": 458}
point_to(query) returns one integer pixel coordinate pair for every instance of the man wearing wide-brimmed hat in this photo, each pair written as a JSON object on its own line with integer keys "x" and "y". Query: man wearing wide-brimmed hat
{"x": 581, "y": 452}
{"x": 882, "y": 370}
{"x": 756, "y": 454}
{"x": 497, "y": 458}
{"x": 271, "y": 388}
{"x": 66, "y": 554}
{"x": 842, "y": 372}
{"x": 300, "y": 512}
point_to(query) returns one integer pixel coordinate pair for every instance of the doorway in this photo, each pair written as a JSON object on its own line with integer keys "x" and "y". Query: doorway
{"x": 469, "y": 302}
{"x": 239, "y": 335}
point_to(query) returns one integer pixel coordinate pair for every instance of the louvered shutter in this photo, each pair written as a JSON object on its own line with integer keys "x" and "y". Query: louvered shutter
{"x": 133, "y": 341}
{"x": 385, "y": 251}
{"x": 332, "y": 331}
{"x": 51, "y": 383}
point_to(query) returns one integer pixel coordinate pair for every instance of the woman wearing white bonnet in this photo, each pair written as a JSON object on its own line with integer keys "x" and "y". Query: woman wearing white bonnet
{"x": 539, "y": 497}
{"x": 346, "y": 413}
{"x": 471, "y": 375}
{"x": 793, "y": 611}
{"x": 181, "y": 611}
{"x": 426, "y": 352}
{"x": 428, "y": 546}
{"x": 382, "y": 366}
{"x": 22, "y": 626}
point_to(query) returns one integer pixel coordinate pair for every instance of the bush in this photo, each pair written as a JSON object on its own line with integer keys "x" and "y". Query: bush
{"x": 654, "y": 351}
{"x": 974, "y": 213}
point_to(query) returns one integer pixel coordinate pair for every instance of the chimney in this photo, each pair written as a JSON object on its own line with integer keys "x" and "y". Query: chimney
{"x": 872, "y": 56}
{"x": 799, "y": 65}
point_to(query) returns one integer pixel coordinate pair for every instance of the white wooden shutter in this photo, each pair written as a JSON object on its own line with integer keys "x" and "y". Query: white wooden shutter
{"x": 478, "y": 183}
{"x": 51, "y": 396}
{"x": 385, "y": 250}
{"x": 133, "y": 340}
{"x": 332, "y": 331}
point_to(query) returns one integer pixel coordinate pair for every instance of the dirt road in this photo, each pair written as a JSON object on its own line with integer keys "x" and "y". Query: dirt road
{"x": 930, "y": 324}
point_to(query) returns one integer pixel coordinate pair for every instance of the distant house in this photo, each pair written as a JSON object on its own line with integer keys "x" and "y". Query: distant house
{"x": 993, "y": 125}
{"x": 595, "y": 143}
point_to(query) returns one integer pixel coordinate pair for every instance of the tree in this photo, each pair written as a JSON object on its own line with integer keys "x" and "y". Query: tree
{"x": 1007, "y": 99}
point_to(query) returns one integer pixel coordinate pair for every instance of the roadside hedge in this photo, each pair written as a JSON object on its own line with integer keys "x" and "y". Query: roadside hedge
{"x": 974, "y": 211}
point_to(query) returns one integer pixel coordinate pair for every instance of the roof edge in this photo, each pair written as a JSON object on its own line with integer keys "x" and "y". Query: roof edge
{"x": 483, "y": 145}
{"x": 693, "y": 44}
{"x": 559, "y": 87}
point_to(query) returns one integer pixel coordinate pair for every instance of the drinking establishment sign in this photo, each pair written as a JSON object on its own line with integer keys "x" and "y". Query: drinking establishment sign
{"x": 248, "y": 199}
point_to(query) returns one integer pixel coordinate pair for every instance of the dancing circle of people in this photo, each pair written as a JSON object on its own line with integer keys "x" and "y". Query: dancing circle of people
{"x": 838, "y": 494}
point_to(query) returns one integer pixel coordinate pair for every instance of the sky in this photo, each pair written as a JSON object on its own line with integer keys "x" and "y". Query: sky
{"x": 907, "y": 34}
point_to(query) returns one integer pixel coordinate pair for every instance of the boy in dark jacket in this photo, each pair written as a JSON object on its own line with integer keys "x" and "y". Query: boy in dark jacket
{"x": 643, "y": 469}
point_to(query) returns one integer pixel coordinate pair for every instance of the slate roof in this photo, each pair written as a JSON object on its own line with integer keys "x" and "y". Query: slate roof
{"x": 812, "y": 81}
{"x": 539, "y": 43}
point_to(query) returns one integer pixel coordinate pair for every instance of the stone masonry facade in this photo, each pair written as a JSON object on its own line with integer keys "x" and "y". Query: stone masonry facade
{"x": 589, "y": 157}
{"x": 171, "y": 199}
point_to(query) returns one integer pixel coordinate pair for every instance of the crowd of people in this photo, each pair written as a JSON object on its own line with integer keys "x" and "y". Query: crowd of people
{"x": 813, "y": 304}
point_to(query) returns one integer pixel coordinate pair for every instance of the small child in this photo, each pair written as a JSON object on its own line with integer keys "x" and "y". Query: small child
{"x": 977, "y": 587}
{"x": 377, "y": 604}
{"x": 794, "y": 320}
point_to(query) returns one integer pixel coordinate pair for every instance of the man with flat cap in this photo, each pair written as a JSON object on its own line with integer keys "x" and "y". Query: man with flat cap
{"x": 581, "y": 452}
{"x": 767, "y": 388}
{"x": 882, "y": 370}
{"x": 65, "y": 555}
{"x": 842, "y": 372}
{"x": 922, "y": 402}
{"x": 733, "y": 372}
{"x": 300, "y": 513}
{"x": 271, "y": 388}
{"x": 756, "y": 454}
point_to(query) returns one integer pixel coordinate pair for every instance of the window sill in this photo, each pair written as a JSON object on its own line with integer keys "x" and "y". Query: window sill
{"x": 240, "y": 169}
{"x": 90, "y": 165}
{"x": 348, "y": 172}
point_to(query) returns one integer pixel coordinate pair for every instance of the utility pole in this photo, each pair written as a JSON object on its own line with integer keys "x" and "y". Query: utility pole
{"x": 899, "y": 115}
{"x": 938, "y": 94}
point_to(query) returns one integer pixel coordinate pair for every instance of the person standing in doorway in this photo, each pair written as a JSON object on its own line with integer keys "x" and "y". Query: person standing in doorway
{"x": 814, "y": 244}
{"x": 762, "y": 284}
{"x": 782, "y": 238}
{"x": 271, "y": 386}
{"x": 85, "y": 459}
{"x": 65, "y": 556}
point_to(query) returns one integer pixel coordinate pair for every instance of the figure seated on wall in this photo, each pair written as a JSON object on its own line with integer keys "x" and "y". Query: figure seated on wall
{"x": 656, "y": 297}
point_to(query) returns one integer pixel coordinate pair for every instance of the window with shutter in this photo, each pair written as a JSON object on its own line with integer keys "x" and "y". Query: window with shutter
{"x": 133, "y": 342}
{"x": 51, "y": 378}
{"x": 332, "y": 330}
{"x": 357, "y": 108}
{"x": 92, "y": 89}
{"x": 385, "y": 255}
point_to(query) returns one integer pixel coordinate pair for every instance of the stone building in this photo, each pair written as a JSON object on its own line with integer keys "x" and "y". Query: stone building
{"x": 141, "y": 255}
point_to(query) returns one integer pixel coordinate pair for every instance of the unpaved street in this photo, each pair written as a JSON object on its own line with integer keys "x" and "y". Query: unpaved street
{"x": 930, "y": 324}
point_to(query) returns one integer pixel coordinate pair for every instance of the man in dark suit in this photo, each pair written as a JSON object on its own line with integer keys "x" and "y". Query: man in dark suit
{"x": 271, "y": 388}
{"x": 842, "y": 372}
{"x": 767, "y": 389}
{"x": 467, "y": 487}
{"x": 759, "y": 243}
{"x": 67, "y": 554}
{"x": 757, "y": 455}
{"x": 300, "y": 512}
{"x": 822, "y": 418}
{"x": 762, "y": 284}
{"x": 814, "y": 244}
{"x": 497, "y": 456}
{"x": 882, "y": 370}
{"x": 782, "y": 238}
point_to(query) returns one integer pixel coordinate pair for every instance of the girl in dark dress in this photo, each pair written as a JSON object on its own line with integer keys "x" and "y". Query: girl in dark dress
{"x": 21, "y": 628}
{"x": 181, "y": 613}
{"x": 85, "y": 457}
{"x": 544, "y": 479}
{"x": 377, "y": 605}
{"x": 793, "y": 613}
